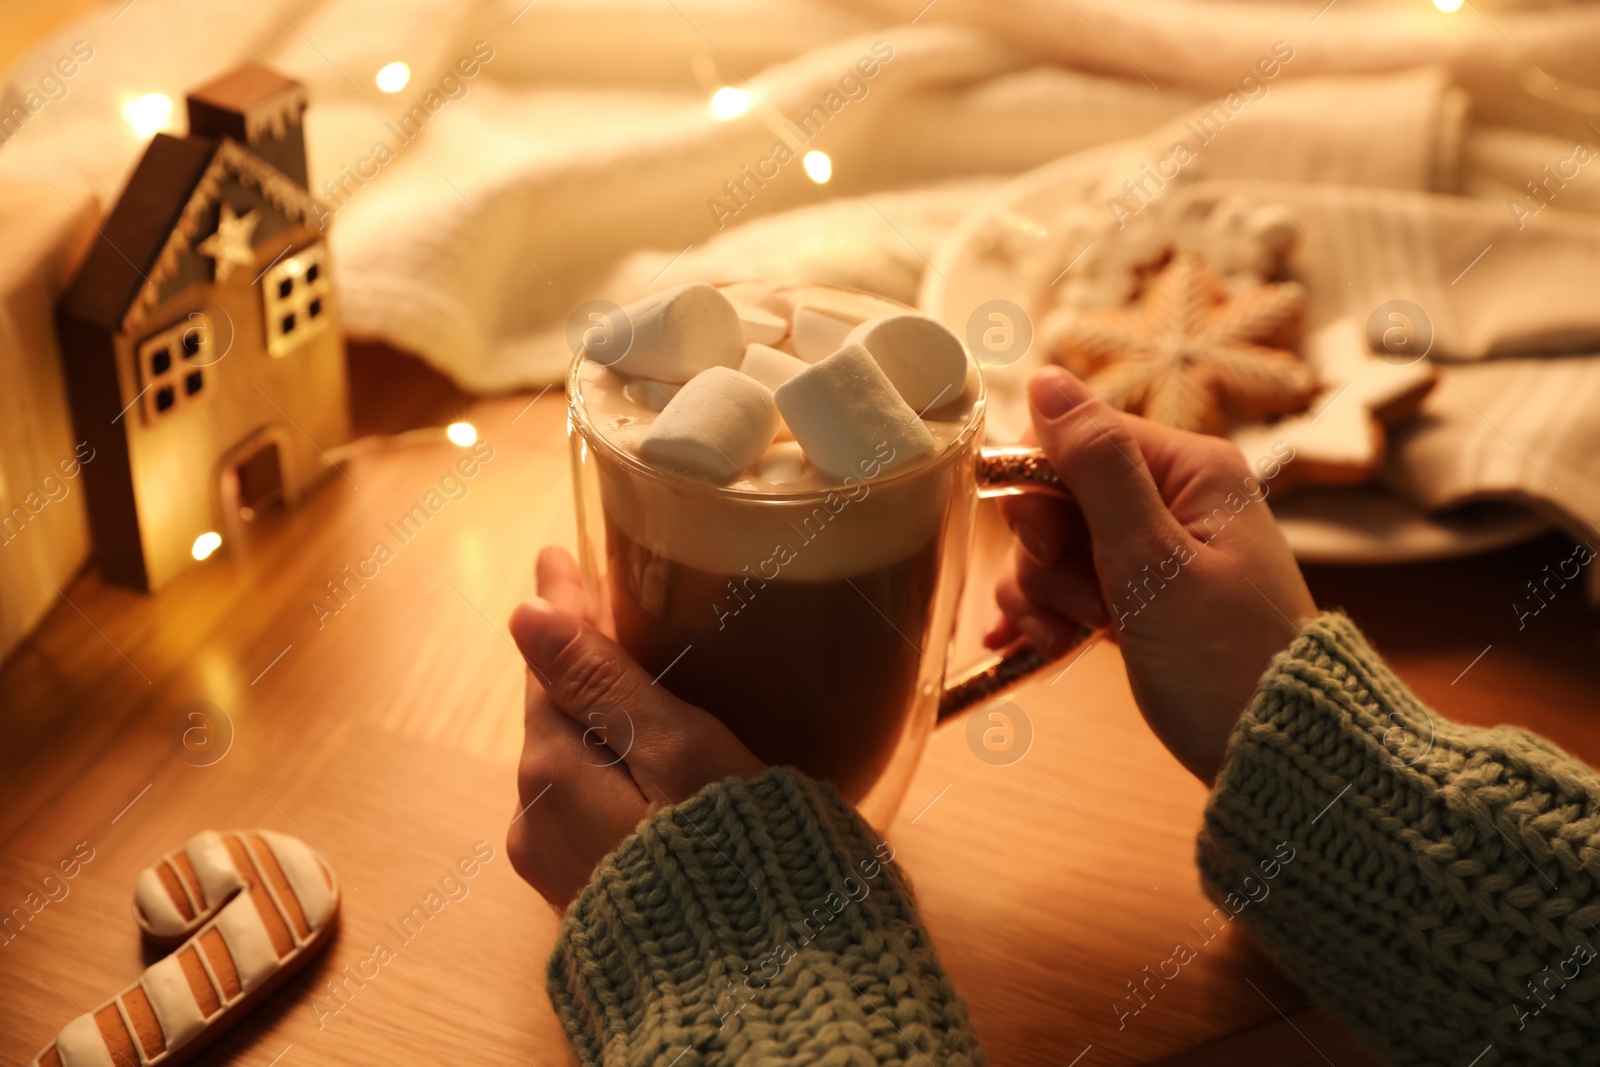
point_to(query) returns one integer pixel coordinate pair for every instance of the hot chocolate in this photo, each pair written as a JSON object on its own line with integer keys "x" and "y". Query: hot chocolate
{"x": 816, "y": 674}
{"x": 798, "y": 592}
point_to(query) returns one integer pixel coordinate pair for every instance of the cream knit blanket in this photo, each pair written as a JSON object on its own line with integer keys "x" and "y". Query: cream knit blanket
{"x": 582, "y": 160}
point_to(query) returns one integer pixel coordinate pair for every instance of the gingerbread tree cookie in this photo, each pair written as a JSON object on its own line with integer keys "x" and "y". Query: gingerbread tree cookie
{"x": 1190, "y": 355}
{"x": 1341, "y": 438}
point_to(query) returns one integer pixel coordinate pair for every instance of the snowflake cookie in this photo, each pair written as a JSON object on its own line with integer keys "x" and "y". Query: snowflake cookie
{"x": 1191, "y": 355}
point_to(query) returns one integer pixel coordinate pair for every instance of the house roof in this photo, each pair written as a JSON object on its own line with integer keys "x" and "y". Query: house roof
{"x": 133, "y": 234}
{"x": 158, "y": 218}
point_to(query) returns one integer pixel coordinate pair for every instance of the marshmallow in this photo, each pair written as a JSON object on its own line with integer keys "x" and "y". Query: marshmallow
{"x": 924, "y": 360}
{"x": 848, "y": 417}
{"x": 761, "y": 327}
{"x": 720, "y": 423}
{"x": 771, "y": 368}
{"x": 653, "y": 395}
{"x": 817, "y": 334}
{"x": 676, "y": 334}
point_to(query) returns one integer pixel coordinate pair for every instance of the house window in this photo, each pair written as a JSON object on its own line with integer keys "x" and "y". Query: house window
{"x": 170, "y": 365}
{"x": 296, "y": 292}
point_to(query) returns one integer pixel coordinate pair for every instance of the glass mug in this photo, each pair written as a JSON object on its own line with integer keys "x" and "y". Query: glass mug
{"x": 816, "y": 624}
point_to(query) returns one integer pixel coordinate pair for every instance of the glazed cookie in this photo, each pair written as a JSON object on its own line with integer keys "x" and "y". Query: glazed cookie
{"x": 1244, "y": 242}
{"x": 246, "y": 909}
{"x": 1342, "y": 437}
{"x": 176, "y": 895}
{"x": 1192, "y": 356}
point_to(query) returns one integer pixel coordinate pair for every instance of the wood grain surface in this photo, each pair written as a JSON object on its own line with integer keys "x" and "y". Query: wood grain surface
{"x": 386, "y": 735}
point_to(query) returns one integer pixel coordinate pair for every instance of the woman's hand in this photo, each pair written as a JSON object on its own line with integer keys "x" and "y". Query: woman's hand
{"x": 604, "y": 744}
{"x": 1170, "y": 545}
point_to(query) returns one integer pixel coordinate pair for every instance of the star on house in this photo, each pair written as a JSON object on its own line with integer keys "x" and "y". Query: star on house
{"x": 231, "y": 245}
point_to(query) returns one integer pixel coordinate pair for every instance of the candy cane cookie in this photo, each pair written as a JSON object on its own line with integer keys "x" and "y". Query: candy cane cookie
{"x": 176, "y": 895}
{"x": 246, "y": 909}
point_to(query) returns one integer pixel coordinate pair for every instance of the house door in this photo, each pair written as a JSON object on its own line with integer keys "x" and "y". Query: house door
{"x": 250, "y": 484}
{"x": 259, "y": 477}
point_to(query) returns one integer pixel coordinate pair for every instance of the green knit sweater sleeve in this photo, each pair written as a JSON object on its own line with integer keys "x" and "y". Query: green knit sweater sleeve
{"x": 1432, "y": 884}
{"x": 759, "y": 922}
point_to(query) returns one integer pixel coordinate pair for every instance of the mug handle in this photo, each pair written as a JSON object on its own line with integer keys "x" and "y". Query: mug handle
{"x": 1008, "y": 470}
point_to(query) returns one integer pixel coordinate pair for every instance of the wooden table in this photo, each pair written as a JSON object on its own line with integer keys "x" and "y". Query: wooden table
{"x": 386, "y": 735}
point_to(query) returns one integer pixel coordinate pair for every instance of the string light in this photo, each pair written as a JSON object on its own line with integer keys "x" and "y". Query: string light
{"x": 206, "y": 544}
{"x": 729, "y": 103}
{"x": 148, "y": 114}
{"x": 457, "y": 433}
{"x": 394, "y": 77}
{"x": 819, "y": 168}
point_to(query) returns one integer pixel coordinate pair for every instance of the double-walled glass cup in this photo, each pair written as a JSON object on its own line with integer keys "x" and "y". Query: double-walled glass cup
{"x": 815, "y": 623}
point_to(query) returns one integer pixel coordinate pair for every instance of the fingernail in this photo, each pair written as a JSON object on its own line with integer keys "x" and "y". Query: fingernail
{"x": 542, "y": 631}
{"x": 1034, "y": 544}
{"x": 1054, "y": 392}
{"x": 995, "y": 630}
{"x": 1035, "y": 630}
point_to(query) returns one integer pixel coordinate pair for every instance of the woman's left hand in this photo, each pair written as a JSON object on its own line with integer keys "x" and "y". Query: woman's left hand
{"x": 605, "y": 745}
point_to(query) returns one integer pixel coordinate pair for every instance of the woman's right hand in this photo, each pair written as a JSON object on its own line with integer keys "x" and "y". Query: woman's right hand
{"x": 1170, "y": 545}
{"x": 602, "y": 739}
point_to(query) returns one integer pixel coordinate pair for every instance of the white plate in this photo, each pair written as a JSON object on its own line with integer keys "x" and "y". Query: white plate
{"x": 1359, "y": 525}
{"x": 1367, "y": 524}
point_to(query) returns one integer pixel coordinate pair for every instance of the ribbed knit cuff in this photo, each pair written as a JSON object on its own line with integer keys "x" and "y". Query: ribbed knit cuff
{"x": 761, "y": 918}
{"x": 1412, "y": 873}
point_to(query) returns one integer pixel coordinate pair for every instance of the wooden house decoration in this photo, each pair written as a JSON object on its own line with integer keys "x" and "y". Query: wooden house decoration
{"x": 200, "y": 338}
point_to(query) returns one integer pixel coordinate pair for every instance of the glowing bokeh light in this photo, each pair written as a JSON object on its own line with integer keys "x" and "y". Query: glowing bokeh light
{"x": 819, "y": 168}
{"x": 206, "y": 544}
{"x": 148, "y": 114}
{"x": 394, "y": 77}
{"x": 729, "y": 103}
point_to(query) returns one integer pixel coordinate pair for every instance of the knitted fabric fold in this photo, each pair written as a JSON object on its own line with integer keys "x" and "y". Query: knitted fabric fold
{"x": 759, "y": 922}
{"x": 1434, "y": 885}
